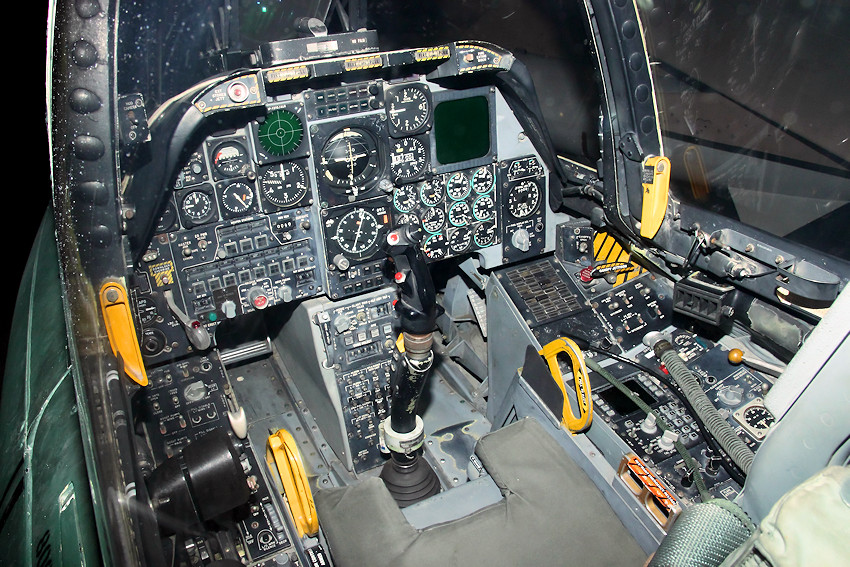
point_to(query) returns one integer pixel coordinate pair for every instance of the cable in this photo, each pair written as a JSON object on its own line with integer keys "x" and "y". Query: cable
{"x": 729, "y": 466}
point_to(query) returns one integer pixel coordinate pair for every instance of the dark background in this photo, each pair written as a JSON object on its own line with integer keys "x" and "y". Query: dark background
{"x": 27, "y": 196}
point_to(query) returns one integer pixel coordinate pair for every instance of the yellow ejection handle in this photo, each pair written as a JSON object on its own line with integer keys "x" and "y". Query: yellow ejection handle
{"x": 656, "y": 190}
{"x": 283, "y": 456}
{"x": 550, "y": 352}
{"x": 115, "y": 307}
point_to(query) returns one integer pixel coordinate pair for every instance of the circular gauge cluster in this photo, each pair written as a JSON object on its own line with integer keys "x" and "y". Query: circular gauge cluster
{"x": 457, "y": 211}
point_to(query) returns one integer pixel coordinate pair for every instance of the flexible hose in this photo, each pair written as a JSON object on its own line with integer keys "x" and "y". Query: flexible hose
{"x": 737, "y": 450}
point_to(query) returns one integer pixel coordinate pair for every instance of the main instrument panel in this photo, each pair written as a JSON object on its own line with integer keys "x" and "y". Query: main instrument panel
{"x": 295, "y": 201}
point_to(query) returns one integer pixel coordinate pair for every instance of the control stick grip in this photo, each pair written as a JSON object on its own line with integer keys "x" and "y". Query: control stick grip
{"x": 417, "y": 305}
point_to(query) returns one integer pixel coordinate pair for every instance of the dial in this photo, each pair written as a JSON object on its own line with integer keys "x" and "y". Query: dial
{"x": 237, "y": 198}
{"x": 284, "y": 184}
{"x": 457, "y": 187}
{"x": 483, "y": 208}
{"x": 350, "y": 160}
{"x": 408, "y": 158}
{"x": 167, "y": 219}
{"x": 405, "y": 198}
{"x": 281, "y": 132}
{"x": 460, "y": 240}
{"x": 434, "y": 246}
{"x": 758, "y": 418}
{"x": 523, "y": 199}
{"x": 194, "y": 172}
{"x": 356, "y": 233}
{"x": 484, "y": 235}
{"x": 230, "y": 159}
{"x": 482, "y": 180}
{"x": 407, "y": 218}
{"x": 430, "y": 193}
{"x": 408, "y": 109}
{"x": 433, "y": 219}
{"x": 460, "y": 214}
{"x": 197, "y": 207}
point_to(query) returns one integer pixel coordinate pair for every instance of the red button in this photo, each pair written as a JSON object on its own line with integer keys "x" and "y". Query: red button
{"x": 260, "y": 301}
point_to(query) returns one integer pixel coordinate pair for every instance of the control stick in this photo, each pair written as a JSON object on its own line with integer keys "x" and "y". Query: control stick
{"x": 408, "y": 476}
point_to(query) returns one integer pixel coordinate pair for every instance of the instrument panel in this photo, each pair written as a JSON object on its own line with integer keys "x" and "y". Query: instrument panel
{"x": 295, "y": 201}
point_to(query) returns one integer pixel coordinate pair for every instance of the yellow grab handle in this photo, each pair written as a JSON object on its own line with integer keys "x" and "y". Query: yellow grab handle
{"x": 115, "y": 307}
{"x": 550, "y": 352}
{"x": 282, "y": 455}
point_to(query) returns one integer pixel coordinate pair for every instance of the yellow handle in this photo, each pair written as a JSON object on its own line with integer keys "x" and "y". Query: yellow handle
{"x": 550, "y": 352}
{"x": 115, "y": 307}
{"x": 282, "y": 455}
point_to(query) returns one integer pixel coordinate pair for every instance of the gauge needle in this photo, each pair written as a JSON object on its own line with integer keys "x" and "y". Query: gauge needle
{"x": 358, "y": 231}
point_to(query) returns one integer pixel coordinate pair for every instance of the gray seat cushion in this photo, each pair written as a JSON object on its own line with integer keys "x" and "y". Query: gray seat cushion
{"x": 551, "y": 514}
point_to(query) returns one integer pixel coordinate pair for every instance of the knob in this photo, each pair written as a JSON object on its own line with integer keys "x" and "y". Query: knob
{"x": 667, "y": 440}
{"x": 258, "y": 298}
{"x": 341, "y": 262}
{"x": 229, "y": 309}
{"x": 521, "y": 240}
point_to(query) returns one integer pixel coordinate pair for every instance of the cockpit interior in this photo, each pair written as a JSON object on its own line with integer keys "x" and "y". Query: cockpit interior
{"x": 442, "y": 283}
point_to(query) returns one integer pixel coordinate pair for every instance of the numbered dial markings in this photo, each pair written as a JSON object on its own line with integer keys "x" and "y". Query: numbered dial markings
{"x": 408, "y": 109}
{"x": 230, "y": 159}
{"x": 460, "y": 214}
{"x": 483, "y": 208}
{"x": 484, "y": 235}
{"x": 433, "y": 219}
{"x": 523, "y": 199}
{"x": 408, "y": 158}
{"x": 356, "y": 233}
{"x": 197, "y": 207}
{"x": 284, "y": 185}
{"x": 460, "y": 240}
{"x": 430, "y": 193}
{"x": 458, "y": 187}
{"x": 405, "y": 198}
{"x": 434, "y": 246}
{"x": 237, "y": 198}
{"x": 483, "y": 180}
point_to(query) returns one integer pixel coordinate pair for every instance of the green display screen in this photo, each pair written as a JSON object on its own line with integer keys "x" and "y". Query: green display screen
{"x": 462, "y": 129}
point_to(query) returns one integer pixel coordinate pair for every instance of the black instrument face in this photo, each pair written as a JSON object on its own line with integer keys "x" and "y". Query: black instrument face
{"x": 350, "y": 160}
{"x": 356, "y": 233}
{"x": 524, "y": 199}
{"x": 197, "y": 207}
{"x": 284, "y": 184}
{"x": 408, "y": 109}
{"x": 230, "y": 159}
{"x": 237, "y": 199}
{"x": 408, "y": 159}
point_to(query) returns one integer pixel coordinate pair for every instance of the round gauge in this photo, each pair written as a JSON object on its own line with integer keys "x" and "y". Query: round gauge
{"x": 457, "y": 187}
{"x": 407, "y": 158}
{"x": 460, "y": 240}
{"x": 237, "y": 198}
{"x": 460, "y": 214}
{"x": 405, "y": 198}
{"x": 758, "y": 418}
{"x": 167, "y": 219}
{"x": 523, "y": 199}
{"x": 281, "y": 132}
{"x": 357, "y": 232}
{"x": 430, "y": 193}
{"x": 484, "y": 235}
{"x": 434, "y": 246}
{"x": 482, "y": 180}
{"x": 483, "y": 208}
{"x": 433, "y": 219}
{"x": 230, "y": 159}
{"x": 407, "y": 218}
{"x": 284, "y": 184}
{"x": 194, "y": 172}
{"x": 350, "y": 159}
{"x": 197, "y": 206}
{"x": 408, "y": 108}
